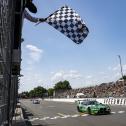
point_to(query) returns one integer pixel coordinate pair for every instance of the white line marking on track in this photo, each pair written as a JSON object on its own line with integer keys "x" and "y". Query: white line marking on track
{"x": 42, "y": 119}
{"x": 67, "y": 116}
{"x": 52, "y": 118}
{"x": 63, "y": 116}
{"x": 75, "y": 115}
{"x": 46, "y": 117}
{"x": 121, "y": 111}
{"x": 85, "y": 115}
{"x": 56, "y": 117}
{"x": 51, "y": 106}
{"x": 113, "y": 112}
{"x": 33, "y": 119}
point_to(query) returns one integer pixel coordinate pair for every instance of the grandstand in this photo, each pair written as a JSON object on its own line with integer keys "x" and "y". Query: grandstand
{"x": 111, "y": 89}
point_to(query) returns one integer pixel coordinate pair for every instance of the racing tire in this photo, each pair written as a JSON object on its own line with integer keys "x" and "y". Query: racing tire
{"x": 89, "y": 111}
{"x": 78, "y": 109}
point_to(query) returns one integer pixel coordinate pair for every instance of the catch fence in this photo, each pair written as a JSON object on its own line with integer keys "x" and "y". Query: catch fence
{"x": 8, "y": 81}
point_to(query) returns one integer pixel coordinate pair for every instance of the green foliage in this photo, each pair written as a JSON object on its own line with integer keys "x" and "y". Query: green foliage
{"x": 65, "y": 85}
{"x": 37, "y": 92}
{"x": 41, "y": 91}
{"x": 124, "y": 77}
{"x": 50, "y": 91}
{"x": 25, "y": 94}
{"x": 32, "y": 93}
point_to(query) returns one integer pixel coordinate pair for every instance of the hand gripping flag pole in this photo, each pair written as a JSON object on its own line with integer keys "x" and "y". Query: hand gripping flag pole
{"x": 68, "y": 22}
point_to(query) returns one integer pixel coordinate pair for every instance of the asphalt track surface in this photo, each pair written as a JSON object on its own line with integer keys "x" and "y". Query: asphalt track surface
{"x": 49, "y": 113}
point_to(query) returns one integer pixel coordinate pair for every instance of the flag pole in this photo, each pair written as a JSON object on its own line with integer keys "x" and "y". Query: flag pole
{"x": 46, "y": 18}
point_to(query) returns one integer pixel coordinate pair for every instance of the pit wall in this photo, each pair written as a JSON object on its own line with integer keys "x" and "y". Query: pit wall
{"x": 109, "y": 101}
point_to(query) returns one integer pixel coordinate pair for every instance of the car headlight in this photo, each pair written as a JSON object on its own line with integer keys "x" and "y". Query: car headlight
{"x": 108, "y": 108}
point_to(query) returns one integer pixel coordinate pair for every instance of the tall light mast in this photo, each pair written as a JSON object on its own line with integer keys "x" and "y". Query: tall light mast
{"x": 121, "y": 69}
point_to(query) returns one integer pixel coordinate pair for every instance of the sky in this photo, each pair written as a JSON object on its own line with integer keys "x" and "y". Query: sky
{"x": 49, "y": 57}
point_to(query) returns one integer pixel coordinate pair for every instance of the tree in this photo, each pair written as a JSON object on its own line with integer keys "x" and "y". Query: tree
{"x": 32, "y": 93}
{"x": 124, "y": 77}
{"x": 50, "y": 91}
{"x": 65, "y": 85}
{"x": 24, "y": 94}
{"x": 37, "y": 92}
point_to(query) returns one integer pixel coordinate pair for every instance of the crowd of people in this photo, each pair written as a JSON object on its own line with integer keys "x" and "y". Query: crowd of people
{"x": 111, "y": 89}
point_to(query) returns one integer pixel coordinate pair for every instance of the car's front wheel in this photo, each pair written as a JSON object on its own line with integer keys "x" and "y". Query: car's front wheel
{"x": 89, "y": 110}
{"x": 78, "y": 109}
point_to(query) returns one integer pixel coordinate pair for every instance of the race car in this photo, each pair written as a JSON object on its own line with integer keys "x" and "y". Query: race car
{"x": 36, "y": 101}
{"x": 92, "y": 107}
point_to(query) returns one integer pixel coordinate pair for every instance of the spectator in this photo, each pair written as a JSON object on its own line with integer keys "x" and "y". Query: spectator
{"x": 112, "y": 89}
{"x": 32, "y": 19}
{"x": 32, "y": 8}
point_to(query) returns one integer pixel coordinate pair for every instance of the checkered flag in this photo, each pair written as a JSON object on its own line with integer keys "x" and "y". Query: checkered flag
{"x": 67, "y": 21}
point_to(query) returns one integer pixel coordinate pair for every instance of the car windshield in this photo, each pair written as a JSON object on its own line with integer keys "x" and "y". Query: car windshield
{"x": 93, "y": 102}
{"x": 85, "y": 103}
{"x": 89, "y": 103}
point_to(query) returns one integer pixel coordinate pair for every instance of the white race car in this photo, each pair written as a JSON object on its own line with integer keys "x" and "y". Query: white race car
{"x": 36, "y": 101}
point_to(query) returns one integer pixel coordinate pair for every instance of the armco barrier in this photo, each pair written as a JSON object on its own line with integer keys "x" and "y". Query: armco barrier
{"x": 110, "y": 101}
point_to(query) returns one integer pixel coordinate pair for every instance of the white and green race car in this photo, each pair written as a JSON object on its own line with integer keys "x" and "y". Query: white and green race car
{"x": 92, "y": 107}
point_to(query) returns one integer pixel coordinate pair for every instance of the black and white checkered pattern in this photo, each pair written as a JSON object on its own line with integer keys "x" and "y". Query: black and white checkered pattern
{"x": 67, "y": 21}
